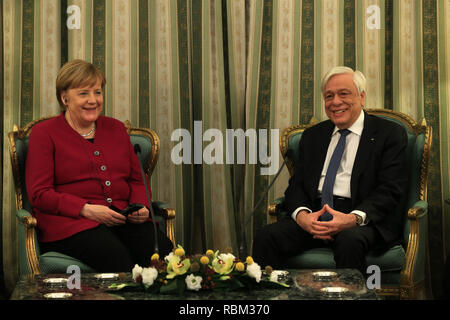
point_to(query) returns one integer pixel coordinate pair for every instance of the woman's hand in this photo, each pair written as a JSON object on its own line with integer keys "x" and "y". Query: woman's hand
{"x": 139, "y": 216}
{"x": 102, "y": 214}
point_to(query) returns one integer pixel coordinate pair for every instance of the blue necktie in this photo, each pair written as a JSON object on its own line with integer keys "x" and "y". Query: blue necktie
{"x": 330, "y": 177}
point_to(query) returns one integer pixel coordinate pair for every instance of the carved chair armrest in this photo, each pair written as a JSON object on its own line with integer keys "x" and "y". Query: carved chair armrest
{"x": 414, "y": 269}
{"x": 273, "y": 210}
{"x": 26, "y": 218}
{"x": 162, "y": 208}
{"x": 418, "y": 211}
{"x": 29, "y": 243}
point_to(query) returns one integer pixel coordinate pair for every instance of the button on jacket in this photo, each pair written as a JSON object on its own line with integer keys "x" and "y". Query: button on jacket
{"x": 64, "y": 171}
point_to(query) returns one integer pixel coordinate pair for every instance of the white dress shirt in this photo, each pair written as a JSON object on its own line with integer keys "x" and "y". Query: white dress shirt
{"x": 342, "y": 183}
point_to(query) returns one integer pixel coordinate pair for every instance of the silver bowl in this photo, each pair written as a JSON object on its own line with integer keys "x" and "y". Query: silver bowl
{"x": 324, "y": 276}
{"x": 58, "y": 295}
{"x": 56, "y": 282}
{"x": 107, "y": 276}
{"x": 334, "y": 292}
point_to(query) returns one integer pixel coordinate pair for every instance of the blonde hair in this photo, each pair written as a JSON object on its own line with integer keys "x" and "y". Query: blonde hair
{"x": 358, "y": 77}
{"x": 75, "y": 74}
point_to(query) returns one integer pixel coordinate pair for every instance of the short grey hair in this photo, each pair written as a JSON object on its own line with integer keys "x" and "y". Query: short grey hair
{"x": 358, "y": 77}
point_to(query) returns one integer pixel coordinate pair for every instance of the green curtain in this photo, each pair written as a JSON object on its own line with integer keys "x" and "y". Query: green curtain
{"x": 2, "y": 278}
{"x": 229, "y": 64}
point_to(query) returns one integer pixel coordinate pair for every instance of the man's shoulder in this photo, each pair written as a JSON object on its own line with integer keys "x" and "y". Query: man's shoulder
{"x": 385, "y": 124}
{"x": 325, "y": 125}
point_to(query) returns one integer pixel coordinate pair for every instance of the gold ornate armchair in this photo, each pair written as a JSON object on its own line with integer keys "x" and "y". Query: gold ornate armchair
{"x": 31, "y": 261}
{"x": 403, "y": 266}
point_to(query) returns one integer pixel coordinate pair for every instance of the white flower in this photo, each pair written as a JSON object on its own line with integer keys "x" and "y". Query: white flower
{"x": 149, "y": 275}
{"x": 274, "y": 275}
{"x": 169, "y": 257}
{"x": 226, "y": 257}
{"x": 193, "y": 282}
{"x": 137, "y": 271}
{"x": 254, "y": 270}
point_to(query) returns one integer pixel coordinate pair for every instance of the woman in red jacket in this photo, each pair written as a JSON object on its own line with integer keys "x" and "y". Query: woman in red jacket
{"x": 78, "y": 165}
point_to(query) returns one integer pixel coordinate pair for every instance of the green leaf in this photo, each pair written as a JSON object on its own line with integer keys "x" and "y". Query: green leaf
{"x": 272, "y": 285}
{"x": 284, "y": 285}
{"x": 181, "y": 285}
{"x": 236, "y": 284}
{"x": 170, "y": 287}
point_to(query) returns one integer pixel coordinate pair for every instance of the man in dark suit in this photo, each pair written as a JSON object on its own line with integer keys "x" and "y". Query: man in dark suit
{"x": 370, "y": 181}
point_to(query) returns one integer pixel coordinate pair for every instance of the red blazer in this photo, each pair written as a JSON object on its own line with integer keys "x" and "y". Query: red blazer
{"x": 64, "y": 171}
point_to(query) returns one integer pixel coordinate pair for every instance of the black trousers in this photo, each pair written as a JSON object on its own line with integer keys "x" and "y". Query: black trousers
{"x": 275, "y": 243}
{"x": 113, "y": 249}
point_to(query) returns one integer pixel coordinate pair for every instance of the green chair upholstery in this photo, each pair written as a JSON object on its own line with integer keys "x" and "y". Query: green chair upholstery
{"x": 31, "y": 261}
{"x": 402, "y": 266}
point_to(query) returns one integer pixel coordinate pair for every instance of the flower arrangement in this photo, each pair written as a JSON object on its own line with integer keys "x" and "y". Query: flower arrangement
{"x": 177, "y": 273}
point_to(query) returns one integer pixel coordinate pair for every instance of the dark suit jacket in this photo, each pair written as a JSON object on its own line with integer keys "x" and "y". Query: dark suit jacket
{"x": 379, "y": 175}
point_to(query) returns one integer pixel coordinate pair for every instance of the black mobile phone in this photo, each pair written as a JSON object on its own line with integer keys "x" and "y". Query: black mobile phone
{"x": 130, "y": 209}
